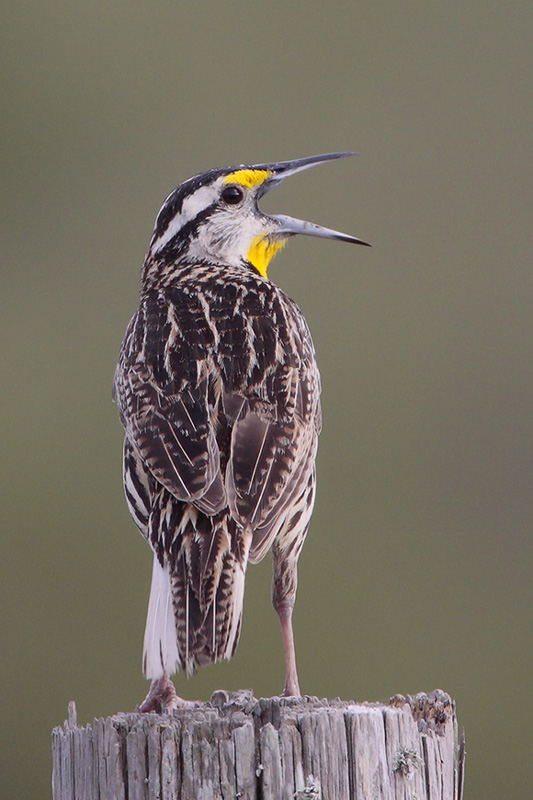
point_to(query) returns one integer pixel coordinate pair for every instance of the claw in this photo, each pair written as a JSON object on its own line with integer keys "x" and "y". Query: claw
{"x": 163, "y": 697}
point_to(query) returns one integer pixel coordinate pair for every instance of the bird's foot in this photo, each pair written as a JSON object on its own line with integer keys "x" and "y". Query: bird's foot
{"x": 286, "y": 693}
{"x": 292, "y": 689}
{"x": 163, "y": 697}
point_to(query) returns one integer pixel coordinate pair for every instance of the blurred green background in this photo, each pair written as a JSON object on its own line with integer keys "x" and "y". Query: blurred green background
{"x": 417, "y": 570}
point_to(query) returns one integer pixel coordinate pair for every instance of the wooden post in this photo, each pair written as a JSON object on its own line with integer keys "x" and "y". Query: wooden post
{"x": 267, "y": 749}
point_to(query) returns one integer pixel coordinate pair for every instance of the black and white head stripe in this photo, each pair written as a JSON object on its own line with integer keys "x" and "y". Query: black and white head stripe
{"x": 183, "y": 206}
{"x": 189, "y": 199}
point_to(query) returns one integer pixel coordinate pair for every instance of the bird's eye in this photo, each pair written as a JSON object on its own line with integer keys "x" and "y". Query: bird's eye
{"x": 232, "y": 195}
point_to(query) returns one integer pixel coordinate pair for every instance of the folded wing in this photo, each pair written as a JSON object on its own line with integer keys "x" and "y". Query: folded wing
{"x": 214, "y": 436}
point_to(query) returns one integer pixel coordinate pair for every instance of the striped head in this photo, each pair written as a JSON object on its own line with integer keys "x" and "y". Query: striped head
{"x": 215, "y": 218}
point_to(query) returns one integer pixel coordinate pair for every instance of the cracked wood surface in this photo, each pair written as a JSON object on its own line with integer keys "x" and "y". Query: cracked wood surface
{"x": 268, "y": 749}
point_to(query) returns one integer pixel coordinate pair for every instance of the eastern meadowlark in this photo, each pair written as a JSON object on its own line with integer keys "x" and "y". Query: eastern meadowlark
{"x": 218, "y": 390}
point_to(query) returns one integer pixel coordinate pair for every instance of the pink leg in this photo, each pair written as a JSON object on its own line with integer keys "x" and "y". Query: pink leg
{"x": 284, "y": 582}
{"x": 162, "y": 697}
{"x": 292, "y": 687}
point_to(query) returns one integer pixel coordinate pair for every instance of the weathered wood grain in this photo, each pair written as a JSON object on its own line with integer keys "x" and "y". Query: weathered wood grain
{"x": 267, "y": 749}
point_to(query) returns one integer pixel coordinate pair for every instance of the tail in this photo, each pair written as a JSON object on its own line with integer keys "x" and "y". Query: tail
{"x": 160, "y": 645}
{"x": 196, "y": 600}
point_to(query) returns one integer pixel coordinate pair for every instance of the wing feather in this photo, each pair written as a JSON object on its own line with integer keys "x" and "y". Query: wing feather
{"x": 271, "y": 458}
{"x": 168, "y": 416}
{"x": 225, "y": 420}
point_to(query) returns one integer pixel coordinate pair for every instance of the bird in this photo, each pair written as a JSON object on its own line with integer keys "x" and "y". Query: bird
{"x": 218, "y": 390}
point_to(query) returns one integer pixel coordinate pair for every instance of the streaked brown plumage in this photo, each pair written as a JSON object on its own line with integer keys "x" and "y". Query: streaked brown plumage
{"x": 218, "y": 390}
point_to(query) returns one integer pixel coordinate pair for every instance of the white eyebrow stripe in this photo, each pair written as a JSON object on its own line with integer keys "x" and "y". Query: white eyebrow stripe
{"x": 192, "y": 205}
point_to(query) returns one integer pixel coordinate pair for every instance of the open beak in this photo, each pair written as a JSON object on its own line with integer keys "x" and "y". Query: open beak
{"x": 289, "y": 226}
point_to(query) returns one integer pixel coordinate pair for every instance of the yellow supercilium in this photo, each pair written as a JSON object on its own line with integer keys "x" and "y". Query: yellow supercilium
{"x": 248, "y": 177}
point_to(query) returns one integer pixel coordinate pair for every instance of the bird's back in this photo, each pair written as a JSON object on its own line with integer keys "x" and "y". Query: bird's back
{"x": 218, "y": 391}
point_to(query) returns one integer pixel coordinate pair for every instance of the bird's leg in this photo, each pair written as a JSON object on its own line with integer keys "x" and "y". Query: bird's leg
{"x": 292, "y": 687}
{"x": 283, "y": 596}
{"x": 162, "y": 697}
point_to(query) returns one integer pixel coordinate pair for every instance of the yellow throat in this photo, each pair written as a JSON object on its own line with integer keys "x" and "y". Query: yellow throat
{"x": 262, "y": 251}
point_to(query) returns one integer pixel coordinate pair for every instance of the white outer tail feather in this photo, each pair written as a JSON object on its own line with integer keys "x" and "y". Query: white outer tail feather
{"x": 160, "y": 653}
